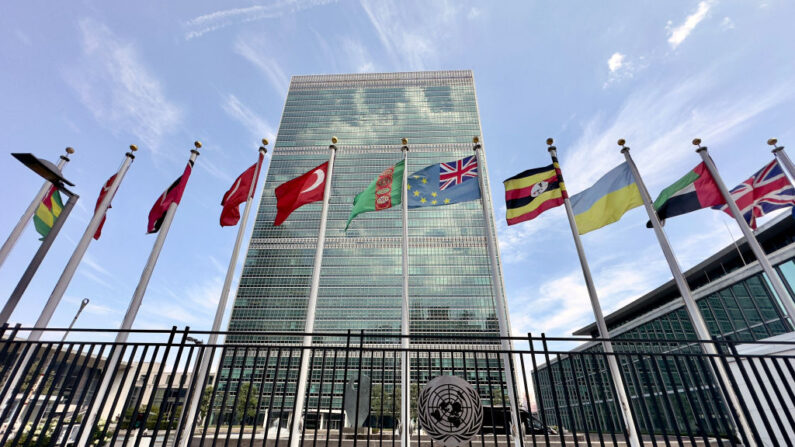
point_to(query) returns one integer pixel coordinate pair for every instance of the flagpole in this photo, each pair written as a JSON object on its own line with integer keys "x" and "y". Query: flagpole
{"x": 198, "y": 379}
{"x": 71, "y": 266}
{"x": 34, "y": 264}
{"x": 501, "y": 307}
{"x": 311, "y": 306}
{"x": 405, "y": 319}
{"x": 750, "y": 239}
{"x": 604, "y": 334}
{"x": 132, "y": 311}
{"x": 783, "y": 158}
{"x": 696, "y": 318}
{"x": 8, "y": 245}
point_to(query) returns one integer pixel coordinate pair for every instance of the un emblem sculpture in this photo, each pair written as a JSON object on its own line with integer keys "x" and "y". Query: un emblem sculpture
{"x": 450, "y": 410}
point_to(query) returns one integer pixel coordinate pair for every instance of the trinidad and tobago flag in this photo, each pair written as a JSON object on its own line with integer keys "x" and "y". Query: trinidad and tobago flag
{"x": 171, "y": 195}
{"x": 767, "y": 190}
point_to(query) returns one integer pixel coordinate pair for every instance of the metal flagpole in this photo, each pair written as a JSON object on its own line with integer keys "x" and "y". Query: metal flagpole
{"x": 198, "y": 379}
{"x": 501, "y": 306}
{"x": 782, "y": 157}
{"x": 34, "y": 264}
{"x": 607, "y": 345}
{"x": 132, "y": 311}
{"x": 696, "y": 318}
{"x": 23, "y": 221}
{"x": 774, "y": 278}
{"x": 311, "y": 305}
{"x": 405, "y": 322}
{"x": 71, "y": 266}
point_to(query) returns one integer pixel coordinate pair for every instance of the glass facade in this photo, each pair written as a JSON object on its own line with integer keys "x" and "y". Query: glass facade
{"x": 450, "y": 275}
{"x": 450, "y": 278}
{"x": 745, "y": 310}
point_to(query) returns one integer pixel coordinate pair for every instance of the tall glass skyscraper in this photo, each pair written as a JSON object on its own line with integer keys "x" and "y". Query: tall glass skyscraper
{"x": 450, "y": 284}
{"x": 361, "y": 283}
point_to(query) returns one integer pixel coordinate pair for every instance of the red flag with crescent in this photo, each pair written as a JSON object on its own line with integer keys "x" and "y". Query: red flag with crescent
{"x": 299, "y": 191}
{"x": 238, "y": 194}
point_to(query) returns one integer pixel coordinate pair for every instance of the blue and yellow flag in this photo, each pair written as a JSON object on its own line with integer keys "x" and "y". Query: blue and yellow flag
{"x": 607, "y": 200}
{"x": 444, "y": 183}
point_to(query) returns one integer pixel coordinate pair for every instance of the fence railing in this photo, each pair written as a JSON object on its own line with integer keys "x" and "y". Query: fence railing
{"x": 565, "y": 395}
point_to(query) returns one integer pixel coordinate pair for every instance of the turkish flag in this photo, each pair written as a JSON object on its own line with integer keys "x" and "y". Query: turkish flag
{"x": 238, "y": 194}
{"x": 102, "y": 193}
{"x": 299, "y": 191}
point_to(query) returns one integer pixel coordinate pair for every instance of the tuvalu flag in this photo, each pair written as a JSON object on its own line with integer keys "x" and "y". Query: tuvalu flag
{"x": 48, "y": 211}
{"x": 295, "y": 193}
{"x": 171, "y": 195}
{"x": 444, "y": 183}
{"x": 102, "y": 193}
{"x": 607, "y": 200}
{"x": 383, "y": 193}
{"x": 532, "y": 192}
{"x": 238, "y": 193}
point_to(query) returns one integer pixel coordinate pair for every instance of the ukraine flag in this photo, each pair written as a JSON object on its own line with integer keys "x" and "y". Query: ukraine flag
{"x": 607, "y": 200}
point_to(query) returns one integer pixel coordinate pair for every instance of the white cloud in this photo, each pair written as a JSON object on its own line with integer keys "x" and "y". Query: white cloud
{"x": 680, "y": 33}
{"x": 615, "y": 62}
{"x": 254, "y": 50}
{"x": 414, "y": 38}
{"x": 255, "y": 124}
{"x": 213, "y": 21}
{"x": 659, "y": 121}
{"x": 358, "y": 56}
{"x": 114, "y": 83}
{"x": 727, "y": 23}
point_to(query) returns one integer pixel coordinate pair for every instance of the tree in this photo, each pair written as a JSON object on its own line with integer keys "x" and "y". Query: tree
{"x": 204, "y": 405}
{"x": 246, "y": 407}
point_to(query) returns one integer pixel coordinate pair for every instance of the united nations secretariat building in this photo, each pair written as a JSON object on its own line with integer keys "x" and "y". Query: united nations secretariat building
{"x": 451, "y": 281}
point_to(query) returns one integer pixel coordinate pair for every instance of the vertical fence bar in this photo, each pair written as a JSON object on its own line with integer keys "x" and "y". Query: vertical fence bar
{"x": 701, "y": 379}
{"x": 205, "y": 379}
{"x": 144, "y": 385}
{"x": 768, "y": 400}
{"x": 552, "y": 388}
{"x": 565, "y": 391}
{"x": 285, "y": 392}
{"x": 779, "y": 396}
{"x": 686, "y": 391}
{"x": 539, "y": 397}
{"x": 394, "y": 396}
{"x": 490, "y": 383}
{"x": 724, "y": 424}
{"x": 344, "y": 381}
{"x": 655, "y": 369}
{"x": 255, "y": 425}
{"x": 640, "y": 401}
{"x": 743, "y": 407}
{"x": 171, "y": 377}
{"x": 86, "y": 389}
{"x": 211, "y": 403}
{"x": 58, "y": 383}
{"x": 237, "y": 394}
{"x": 273, "y": 394}
{"x": 311, "y": 355}
{"x": 591, "y": 398}
{"x": 741, "y": 367}
{"x": 580, "y": 403}
{"x": 358, "y": 390}
{"x": 320, "y": 398}
{"x": 54, "y": 366}
{"x": 331, "y": 400}
{"x": 174, "y": 416}
{"x": 248, "y": 395}
{"x": 228, "y": 385}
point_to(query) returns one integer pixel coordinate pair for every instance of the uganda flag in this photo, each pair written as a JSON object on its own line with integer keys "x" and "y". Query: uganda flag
{"x": 532, "y": 192}
{"x": 48, "y": 211}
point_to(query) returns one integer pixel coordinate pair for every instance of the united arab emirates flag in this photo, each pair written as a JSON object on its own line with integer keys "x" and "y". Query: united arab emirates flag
{"x": 48, "y": 211}
{"x": 384, "y": 192}
{"x": 696, "y": 190}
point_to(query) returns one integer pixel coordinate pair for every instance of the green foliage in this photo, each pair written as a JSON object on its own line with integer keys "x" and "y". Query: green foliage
{"x": 246, "y": 407}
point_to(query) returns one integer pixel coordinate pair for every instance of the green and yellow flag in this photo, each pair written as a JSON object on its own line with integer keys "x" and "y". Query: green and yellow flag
{"x": 384, "y": 192}
{"x": 48, "y": 211}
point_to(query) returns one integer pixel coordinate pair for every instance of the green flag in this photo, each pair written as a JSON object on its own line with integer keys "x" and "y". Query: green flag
{"x": 382, "y": 193}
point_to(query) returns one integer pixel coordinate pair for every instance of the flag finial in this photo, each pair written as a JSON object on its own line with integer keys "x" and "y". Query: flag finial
{"x": 550, "y": 141}
{"x": 404, "y": 141}
{"x": 697, "y": 143}
{"x": 264, "y": 141}
{"x": 263, "y": 149}
{"x": 476, "y": 139}
{"x": 551, "y": 148}
{"x": 333, "y": 140}
{"x": 70, "y": 150}
{"x": 772, "y": 142}
{"x": 133, "y": 147}
{"x": 197, "y": 144}
{"x": 622, "y": 142}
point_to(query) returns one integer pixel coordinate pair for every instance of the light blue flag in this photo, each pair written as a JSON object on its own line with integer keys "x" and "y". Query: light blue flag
{"x": 444, "y": 184}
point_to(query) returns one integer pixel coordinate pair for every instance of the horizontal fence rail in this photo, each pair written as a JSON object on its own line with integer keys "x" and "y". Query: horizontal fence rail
{"x": 563, "y": 386}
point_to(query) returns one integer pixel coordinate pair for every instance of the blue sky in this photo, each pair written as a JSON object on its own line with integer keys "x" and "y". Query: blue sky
{"x": 99, "y": 77}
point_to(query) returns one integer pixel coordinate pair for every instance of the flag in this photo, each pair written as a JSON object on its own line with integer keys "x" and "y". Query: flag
{"x": 696, "y": 190}
{"x": 48, "y": 211}
{"x": 444, "y": 183}
{"x": 532, "y": 192}
{"x": 299, "y": 191}
{"x": 384, "y": 192}
{"x": 767, "y": 190}
{"x": 102, "y": 193}
{"x": 238, "y": 193}
{"x": 607, "y": 200}
{"x": 171, "y": 195}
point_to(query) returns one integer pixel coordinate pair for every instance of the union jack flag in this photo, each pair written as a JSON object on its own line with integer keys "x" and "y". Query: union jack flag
{"x": 767, "y": 190}
{"x": 455, "y": 172}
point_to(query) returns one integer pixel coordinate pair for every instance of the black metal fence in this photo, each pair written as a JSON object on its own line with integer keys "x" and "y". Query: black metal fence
{"x": 563, "y": 388}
